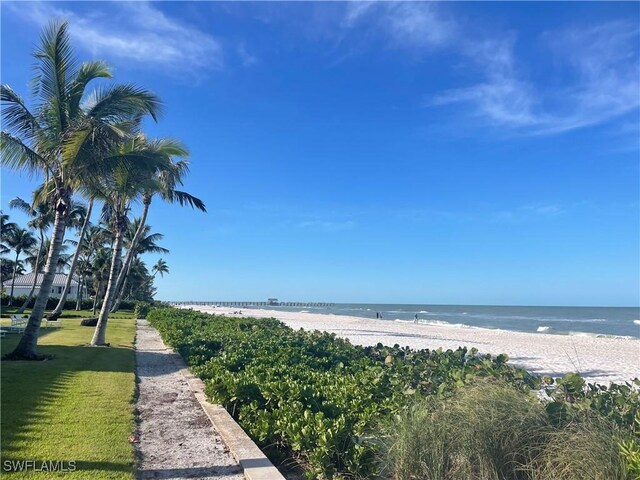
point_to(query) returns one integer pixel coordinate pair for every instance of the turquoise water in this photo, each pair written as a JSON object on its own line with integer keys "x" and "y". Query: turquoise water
{"x": 607, "y": 321}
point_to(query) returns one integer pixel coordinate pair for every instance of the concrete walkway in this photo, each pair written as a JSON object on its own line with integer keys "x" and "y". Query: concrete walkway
{"x": 175, "y": 438}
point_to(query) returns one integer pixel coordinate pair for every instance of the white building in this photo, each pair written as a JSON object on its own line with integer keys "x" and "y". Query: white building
{"x": 23, "y": 285}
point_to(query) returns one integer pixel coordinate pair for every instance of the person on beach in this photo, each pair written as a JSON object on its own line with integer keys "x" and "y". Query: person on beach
{"x": 415, "y": 318}
{"x": 377, "y": 314}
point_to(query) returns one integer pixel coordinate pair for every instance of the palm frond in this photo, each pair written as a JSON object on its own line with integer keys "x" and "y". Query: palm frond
{"x": 16, "y": 117}
{"x": 55, "y": 68}
{"x": 184, "y": 198}
{"x": 87, "y": 72}
{"x": 18, "y": 203}
{"x": 16, "y": 155}
{"x": 122, "y": 102}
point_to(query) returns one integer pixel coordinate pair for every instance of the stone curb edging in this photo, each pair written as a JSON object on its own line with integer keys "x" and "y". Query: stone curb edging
{"x": 253, "y": 461}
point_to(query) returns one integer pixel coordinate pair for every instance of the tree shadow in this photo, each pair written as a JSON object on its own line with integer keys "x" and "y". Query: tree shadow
{"x": 30, "y": 389}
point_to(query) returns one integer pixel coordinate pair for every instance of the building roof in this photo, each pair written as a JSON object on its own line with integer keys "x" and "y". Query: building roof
{"x": 27, "y": 280}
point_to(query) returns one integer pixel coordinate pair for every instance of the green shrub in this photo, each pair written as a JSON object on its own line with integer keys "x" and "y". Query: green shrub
{"x": 620, "y": 403}
{"x": 141, "y": 309}
{"x": 52, "y": 302}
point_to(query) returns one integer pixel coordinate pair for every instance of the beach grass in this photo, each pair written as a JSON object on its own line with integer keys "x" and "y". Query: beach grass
{"x": 492, "y": 431}
{"x": 76, "y": 407}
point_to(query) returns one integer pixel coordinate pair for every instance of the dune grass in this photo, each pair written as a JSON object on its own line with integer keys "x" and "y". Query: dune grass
{"x": 491, "y": 431}
{"x": 76, "y": 407}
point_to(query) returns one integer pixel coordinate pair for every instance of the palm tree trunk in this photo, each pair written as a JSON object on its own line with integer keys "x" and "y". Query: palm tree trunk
{"x": 27, "y": 347}
{"x": 129, "y": 258}
{"x": 99, "y": 336}
{"x": 95, "y": 299}
{"x": 78, "y": 298}
{"x": 13, "y": 279}
{"x": 35, "y": 279}
{"x": 83, "y": 282}
{"x": 58, "y": 310}
{"x": 121, "y": 295}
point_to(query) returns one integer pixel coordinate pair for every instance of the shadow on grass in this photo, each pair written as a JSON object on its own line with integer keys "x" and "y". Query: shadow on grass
{"x": 29, "y": 389}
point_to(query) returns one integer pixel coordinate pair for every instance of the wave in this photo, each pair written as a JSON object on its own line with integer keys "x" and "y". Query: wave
{"x": 551, "y": 331}
{"x": 545, "y": 329}
{"x": 637, "y": 322}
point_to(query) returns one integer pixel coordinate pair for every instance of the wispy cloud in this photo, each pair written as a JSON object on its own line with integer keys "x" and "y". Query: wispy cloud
{"x": 595, "y": 74}
{"x": 407, "y": 24}
{"x": 601, "y": 81}
{"x": 528, "y": 213}
{"x": 327, "y": 225}
{"x": 135, "y": 31}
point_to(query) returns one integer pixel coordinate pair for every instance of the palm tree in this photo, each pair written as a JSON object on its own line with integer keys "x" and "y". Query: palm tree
{"x": 7, "y": 267}
{"x": 65, "y": 139}
{"x": 166, "y": 183}
{"x": 41, "y": 220}
{"x": 147, "y": 243}
{"x": 38, "y": 263}
{"x": 87, "y": 218}
{"x": 100, "y": 270}
{"x": 160, "y": 267}
{"x": 6, "y": 227}
{"x": 19, "y": 240}
{"x": 118, "y": 190}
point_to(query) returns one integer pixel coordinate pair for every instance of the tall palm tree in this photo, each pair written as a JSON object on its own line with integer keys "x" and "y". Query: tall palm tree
{"x": 118, "y": 190}
{"x": 166, "y": 186}
{"x": 95, "y": 239}
{"x": 19, "y": 240}
{"x": 147, "y": 243}
{"x": 87, "y": 218}
{"x": 41, "y": 219}
{"x": 65, "y": 139}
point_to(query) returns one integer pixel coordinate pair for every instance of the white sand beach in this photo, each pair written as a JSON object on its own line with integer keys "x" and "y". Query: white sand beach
{"x": 598, "y": 359}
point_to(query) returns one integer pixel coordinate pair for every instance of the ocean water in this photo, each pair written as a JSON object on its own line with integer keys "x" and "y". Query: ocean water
{"x": 596, "y": 321}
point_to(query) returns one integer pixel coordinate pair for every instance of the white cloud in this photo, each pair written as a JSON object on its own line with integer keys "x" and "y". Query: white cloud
{"x": 407, "y": 24}
{"x": 602, "y": 83}
{"x": 134, "y": 31}
{"x": 596, "y": 70}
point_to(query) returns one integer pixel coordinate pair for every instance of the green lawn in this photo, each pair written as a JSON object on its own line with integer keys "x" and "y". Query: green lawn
{"x": 76, "y": 407}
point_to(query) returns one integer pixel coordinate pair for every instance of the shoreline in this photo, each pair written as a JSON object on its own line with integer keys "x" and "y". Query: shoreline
{"x": 598, "y": 359}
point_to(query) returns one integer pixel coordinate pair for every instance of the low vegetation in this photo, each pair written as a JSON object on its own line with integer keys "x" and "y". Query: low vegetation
{"x": 492, "y": 431}
{"x": 344, "y": 411}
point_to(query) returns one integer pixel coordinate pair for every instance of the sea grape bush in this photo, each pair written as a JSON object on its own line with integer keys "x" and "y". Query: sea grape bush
{"x": 313, "y": 397}
{"x": 619, "y": 403}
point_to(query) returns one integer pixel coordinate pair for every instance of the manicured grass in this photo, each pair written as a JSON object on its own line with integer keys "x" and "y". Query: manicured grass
{"x": 76, "y": 407}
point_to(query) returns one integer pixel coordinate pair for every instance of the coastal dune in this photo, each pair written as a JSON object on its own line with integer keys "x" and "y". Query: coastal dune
{"x": 598, "y": 359}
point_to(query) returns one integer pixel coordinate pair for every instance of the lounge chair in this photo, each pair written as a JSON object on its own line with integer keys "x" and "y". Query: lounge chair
{"x": 18, "y": 323}
{"x": 50, "y": 322}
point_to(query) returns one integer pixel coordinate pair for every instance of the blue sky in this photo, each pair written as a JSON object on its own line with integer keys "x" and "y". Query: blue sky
{"x": 478, "y": 153}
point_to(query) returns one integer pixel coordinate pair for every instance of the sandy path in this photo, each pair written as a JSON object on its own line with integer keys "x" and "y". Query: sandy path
{"x": 176, "y": 439}
{"x": 598, "y": 359}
